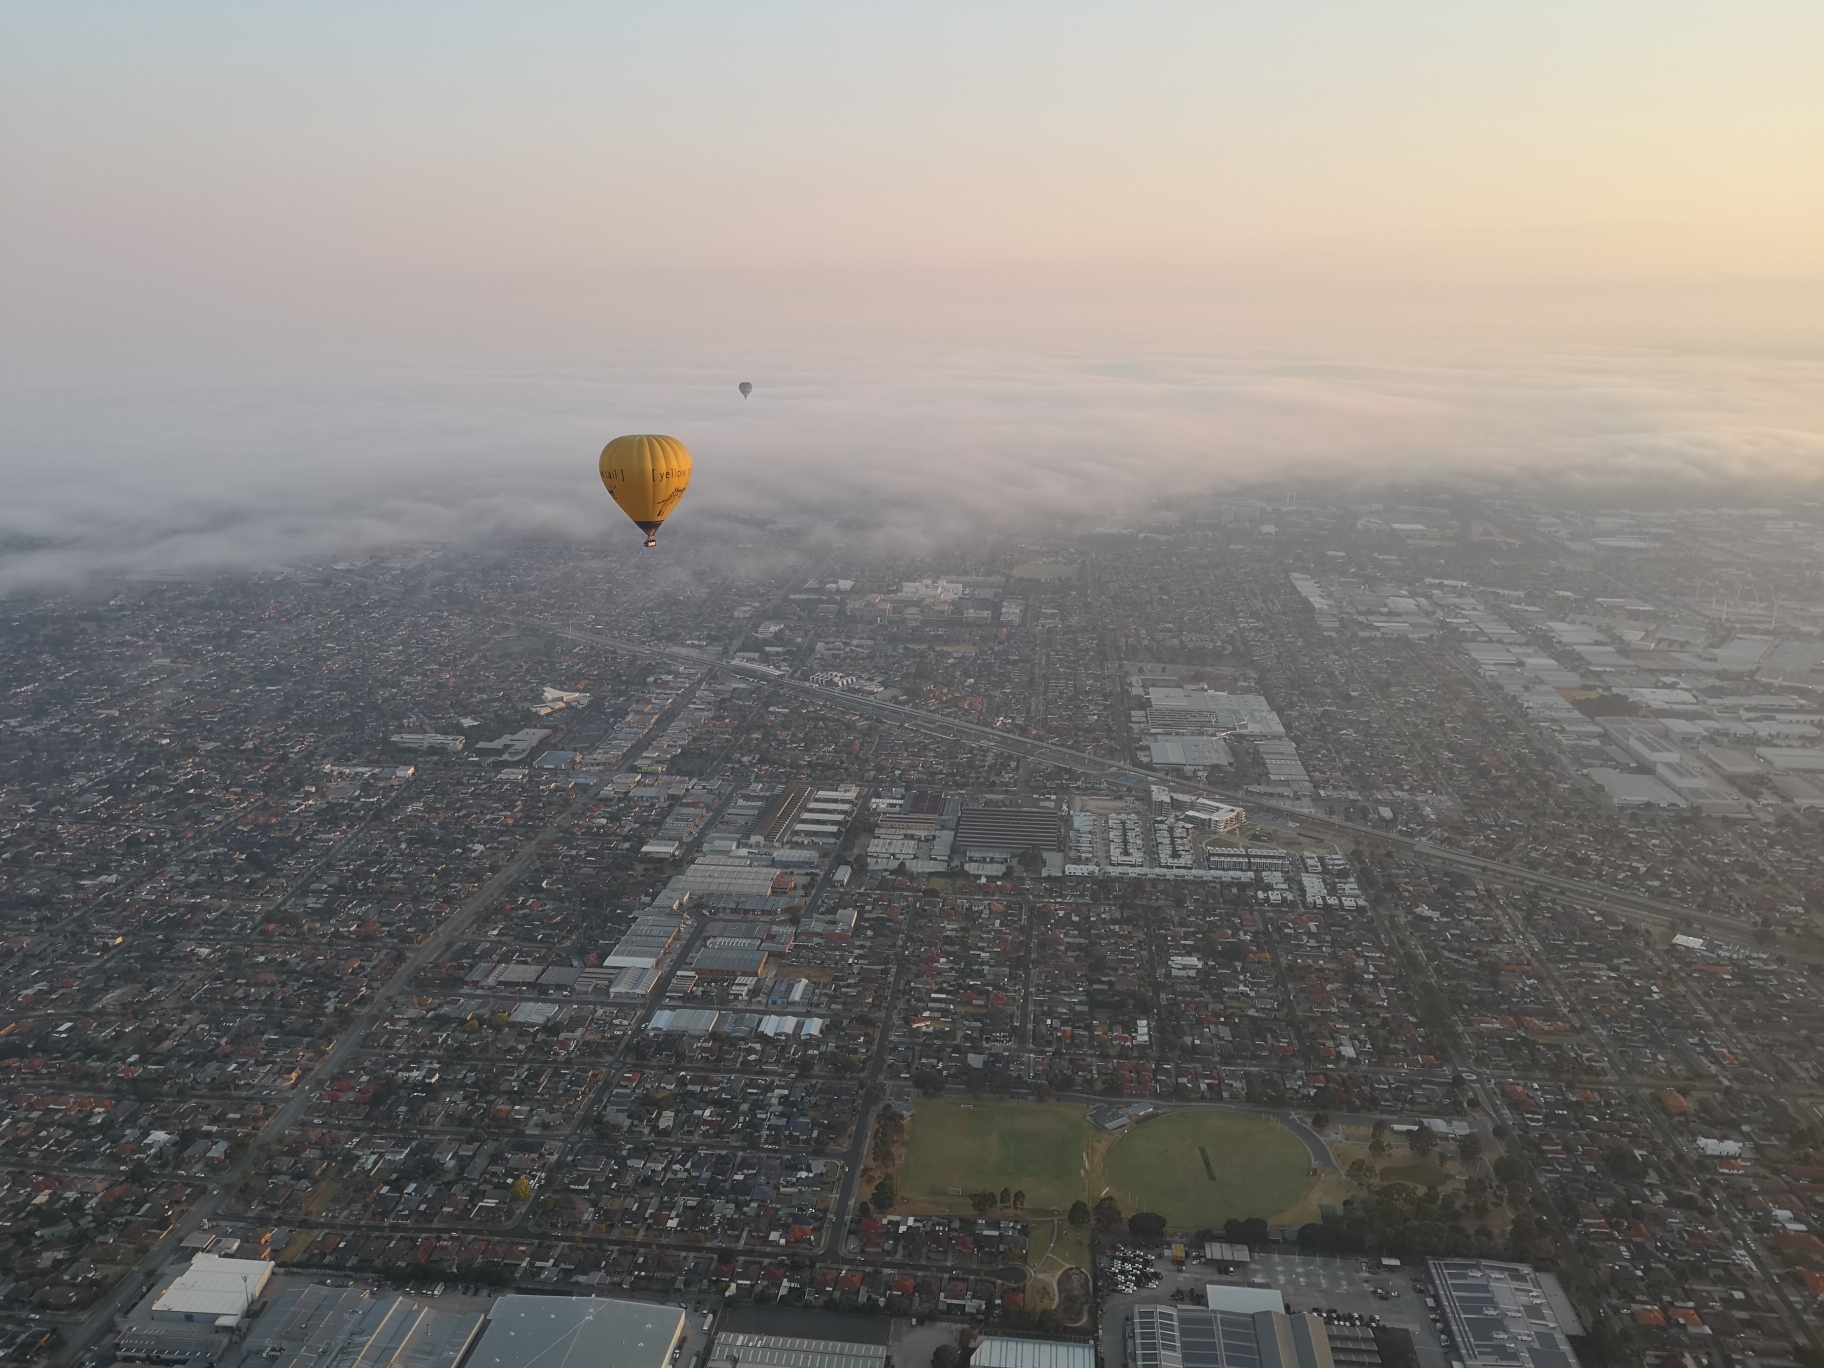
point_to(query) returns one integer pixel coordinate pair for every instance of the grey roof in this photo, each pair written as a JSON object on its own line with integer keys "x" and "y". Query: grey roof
{"x": 1161, "y": 1335}
{"x": 577, "y": 1332}
{"x": 1500, "y": 1315}
{"x": 982, "y": 828}
{"x": 730, "y": 959}
{"x": 790, "y": 1351}
{"x": 326, "y": 1327}
{"x": 1003, "y": 1351}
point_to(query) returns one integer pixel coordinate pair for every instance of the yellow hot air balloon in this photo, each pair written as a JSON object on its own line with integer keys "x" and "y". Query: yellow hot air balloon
{"x": 647, "y": 475}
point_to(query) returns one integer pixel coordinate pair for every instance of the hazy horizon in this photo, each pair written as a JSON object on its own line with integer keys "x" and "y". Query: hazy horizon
{"x": 286, "y": 282}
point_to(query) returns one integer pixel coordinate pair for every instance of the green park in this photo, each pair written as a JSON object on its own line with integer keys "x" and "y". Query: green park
{"x": 1197, "y": 1167}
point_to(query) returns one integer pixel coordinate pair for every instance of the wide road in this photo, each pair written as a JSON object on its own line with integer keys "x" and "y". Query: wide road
{"x": 873, "y": 1099}
{"x": 1582, "y": 891}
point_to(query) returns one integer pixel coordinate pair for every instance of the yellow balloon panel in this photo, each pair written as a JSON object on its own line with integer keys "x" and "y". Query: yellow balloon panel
{"x": 647, "y": 475}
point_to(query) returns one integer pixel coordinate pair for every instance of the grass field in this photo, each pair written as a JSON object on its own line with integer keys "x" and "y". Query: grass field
{"x": 1036, "y": 1147}
{"x": 1199, "y": 1168}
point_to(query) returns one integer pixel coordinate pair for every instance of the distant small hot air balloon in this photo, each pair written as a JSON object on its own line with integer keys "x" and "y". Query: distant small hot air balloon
{"x": 647, "y": 475}
{"x": 746, "y": 387}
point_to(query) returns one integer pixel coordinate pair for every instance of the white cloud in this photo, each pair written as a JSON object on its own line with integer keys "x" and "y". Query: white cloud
{"x": 229, "y": 463}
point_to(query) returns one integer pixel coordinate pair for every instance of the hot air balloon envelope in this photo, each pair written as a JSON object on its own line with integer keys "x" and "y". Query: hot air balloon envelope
{"x": 647, "y": 475}
{"x": 746, "y": 387}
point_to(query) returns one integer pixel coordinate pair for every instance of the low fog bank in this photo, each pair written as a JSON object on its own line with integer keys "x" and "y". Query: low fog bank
{"x": 209, "y": 463}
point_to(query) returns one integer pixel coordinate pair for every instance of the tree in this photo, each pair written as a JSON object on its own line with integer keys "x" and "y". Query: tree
{"x": 1421, "y": 1141}
{"x": 1108, "y": 1214}
{"x": 928, "y": 1081}
{"x": 1019, "y": 1198}
{"x": 1469, "y": 1148}
{"x": 1146, "y": 1225}
{"x": 1510, "y": 1169}
{"x": 1320, "y": 1121}
{"x": 522, "y": 1187}
{"x": 945, "y": 1356}
{"x": 1006, "y": 1197}
{"x": 886, "y": 1195}
{"x": 1621, "y": 1162}
{"x": 1079, "y": 1214}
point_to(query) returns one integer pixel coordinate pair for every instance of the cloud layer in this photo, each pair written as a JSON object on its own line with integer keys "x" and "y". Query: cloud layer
{"x": 198, "y": 464}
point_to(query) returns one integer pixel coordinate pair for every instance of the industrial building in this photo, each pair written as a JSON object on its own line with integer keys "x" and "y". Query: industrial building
{"x": 578, "y": 1332}
{"x": 1223, "y": 1252}
{"x": 1187, "y": 752}
{"x": 731, "y": 961}
{"x": 1161, "y": 1335}
{"x": 1245, "y": 1301}
{"x": 514, "y": 746}
{"x": 1634, "y": 790}
{"x": 1004, "y": 1351}
{"x": 1002, "y": 833}
{"x": 213, "y": 1291}
{"x": 1173, "y": 711}
{"x": 744, "y": 1349}
{"x": 1503, "y": 1315}
{"x": 748, "y": 881}
{"x": 316, "y": 1326}
{"x": 645, "y": 943}
{"x": 174, "y": 1346}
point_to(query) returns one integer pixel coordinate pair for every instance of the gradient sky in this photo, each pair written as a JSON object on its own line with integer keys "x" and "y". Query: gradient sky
{"x": 343, "y": 163}
{"x": 209, "y": 204}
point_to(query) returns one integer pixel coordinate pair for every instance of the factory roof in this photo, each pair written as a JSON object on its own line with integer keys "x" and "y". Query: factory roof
{"x": 577, "y": 1332}
{"x": 1003, "y": 1351}
{"x": 1501, "y": 1315}
{"x": 982, "y": 828}
{"x": 213, "y": 1288}
{"x": 791, "y": 1351}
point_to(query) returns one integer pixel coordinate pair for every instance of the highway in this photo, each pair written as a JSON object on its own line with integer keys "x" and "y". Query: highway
{"x": 1583, "y": 892}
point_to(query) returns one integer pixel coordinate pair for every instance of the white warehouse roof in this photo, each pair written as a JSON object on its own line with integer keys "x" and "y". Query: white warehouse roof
{"x": 213, "y": 1291}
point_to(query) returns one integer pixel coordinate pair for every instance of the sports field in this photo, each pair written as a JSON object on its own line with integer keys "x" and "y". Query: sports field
{"x": 956, "y": 1148}
{"x": 1045, "y": 570}
{"x": 1199, "y": 1168}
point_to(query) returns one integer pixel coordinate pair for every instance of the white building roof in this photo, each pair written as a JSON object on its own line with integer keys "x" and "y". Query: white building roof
{"x": 214, "y": 1287}
{"x": 1243, "y": 1300}
{"x": 1002, "y": 1351}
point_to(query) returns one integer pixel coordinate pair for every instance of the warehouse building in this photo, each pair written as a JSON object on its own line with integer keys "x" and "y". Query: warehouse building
{"x": 1002, "y": 833}
{"x": 1004, "y": 1351}
{"x": 1503, "y": 1315}
{"x": 578, "y": 1332}
{"x": 730, "y": 961}
{"x": 645, "y": 943}
{"x": 744, "y": 1349}
{"x": 316, "y": 1326}
{"x": 1160, "y": 1335}
{"x": 1188, "y": 752}
{"x": 749, "y": 881}
{"x": 213, "y": 1291}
